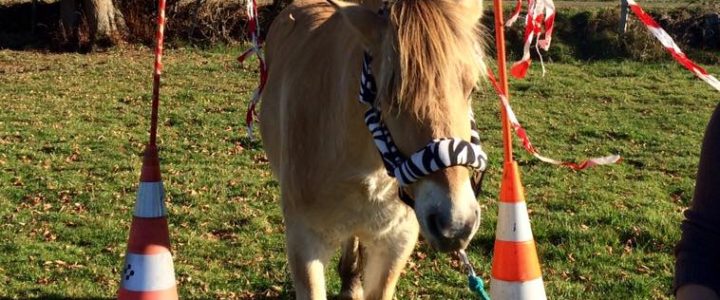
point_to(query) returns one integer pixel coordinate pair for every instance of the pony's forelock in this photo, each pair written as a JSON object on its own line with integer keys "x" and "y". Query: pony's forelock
{"x": 431, "y": 45}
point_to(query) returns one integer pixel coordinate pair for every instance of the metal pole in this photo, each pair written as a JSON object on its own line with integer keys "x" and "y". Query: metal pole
{"x": 502, "y": 70}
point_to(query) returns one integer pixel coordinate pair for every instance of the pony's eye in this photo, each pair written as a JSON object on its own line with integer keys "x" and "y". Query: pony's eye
{"x": 468, "y": 88}
{"x": 468, "y": 93}
{"x": 390, "y": 89}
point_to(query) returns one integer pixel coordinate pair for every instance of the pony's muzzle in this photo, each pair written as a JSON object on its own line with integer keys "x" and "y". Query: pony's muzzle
{"x": 450, "y": 234}
{"x": 448, "y": 217}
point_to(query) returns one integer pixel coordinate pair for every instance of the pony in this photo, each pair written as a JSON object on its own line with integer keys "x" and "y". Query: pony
{"x": 335, "y": 191}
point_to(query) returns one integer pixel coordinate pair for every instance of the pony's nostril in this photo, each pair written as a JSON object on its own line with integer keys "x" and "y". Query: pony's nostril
{"x": 437, "y": 226}
{"x": 468, "y": 229}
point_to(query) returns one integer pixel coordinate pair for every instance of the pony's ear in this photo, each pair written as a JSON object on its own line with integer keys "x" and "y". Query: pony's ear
{"x": 366, "y": 23}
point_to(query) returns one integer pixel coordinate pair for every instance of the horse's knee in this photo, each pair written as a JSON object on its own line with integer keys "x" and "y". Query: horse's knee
{"x": 385, "y": 258}
{"x": 307, "y": 255}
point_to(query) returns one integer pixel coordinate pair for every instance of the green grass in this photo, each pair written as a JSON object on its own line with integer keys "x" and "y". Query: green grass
{"x": 72, "y": 129}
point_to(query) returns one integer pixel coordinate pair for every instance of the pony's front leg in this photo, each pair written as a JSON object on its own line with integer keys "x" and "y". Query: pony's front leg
{"x": 350, "y": 270}
{"x": 385, "y": 258}
{"x": 307, "y": 255}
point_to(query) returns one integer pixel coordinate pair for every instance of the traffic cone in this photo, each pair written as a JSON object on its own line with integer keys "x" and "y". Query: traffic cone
{"x": 515, "y": 267}
{"x": 148, "y": 272}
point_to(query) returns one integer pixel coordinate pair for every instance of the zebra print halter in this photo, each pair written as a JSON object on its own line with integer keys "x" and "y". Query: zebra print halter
{"x": 437, "y": 155}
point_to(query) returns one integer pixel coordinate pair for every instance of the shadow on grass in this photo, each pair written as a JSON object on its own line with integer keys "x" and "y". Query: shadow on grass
{"x": 18, "y": 32}
{"x": 58, "y": 297}
{"x": 482, "y": 246}
{"x": 247, "y": 142}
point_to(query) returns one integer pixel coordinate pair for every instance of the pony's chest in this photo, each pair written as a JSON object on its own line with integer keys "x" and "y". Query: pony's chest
{"x": 378, "y": 187}
{"x": 381, "y": 209}
{"x": 365, "y": 206}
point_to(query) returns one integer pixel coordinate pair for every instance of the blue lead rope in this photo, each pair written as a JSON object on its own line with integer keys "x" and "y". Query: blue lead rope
{"x": 474, "y": 282}
{"x": 476, "y": 285}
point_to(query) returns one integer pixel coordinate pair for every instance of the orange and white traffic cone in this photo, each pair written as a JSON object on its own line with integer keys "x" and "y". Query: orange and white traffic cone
{"x": 515, "y": 267}
{"x": 148, "y": 272}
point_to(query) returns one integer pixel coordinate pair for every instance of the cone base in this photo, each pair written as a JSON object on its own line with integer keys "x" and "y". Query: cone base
{"x": 149, "y": 236}
{"x": 528, "y": 290}
{"x": 148, "y": 272}
{"x": 168, "y": 294}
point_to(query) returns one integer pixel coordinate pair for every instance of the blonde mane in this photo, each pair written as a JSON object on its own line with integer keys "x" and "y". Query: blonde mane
{"x": 437, "y": 45}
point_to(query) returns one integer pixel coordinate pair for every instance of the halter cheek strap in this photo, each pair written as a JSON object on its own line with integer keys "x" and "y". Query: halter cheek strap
{"x": 437, "y": 155}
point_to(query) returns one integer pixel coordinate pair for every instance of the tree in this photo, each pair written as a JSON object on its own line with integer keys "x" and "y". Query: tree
{"x": 369, "y": 3}
{"x": 105, "y": 23}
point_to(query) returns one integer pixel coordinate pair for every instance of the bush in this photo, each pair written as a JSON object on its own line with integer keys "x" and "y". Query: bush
{"x": 594, "y": 35}
{"x": 585, "y": 35}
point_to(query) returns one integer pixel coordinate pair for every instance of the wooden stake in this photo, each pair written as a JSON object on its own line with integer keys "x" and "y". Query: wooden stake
{"x": 623, "y": 16}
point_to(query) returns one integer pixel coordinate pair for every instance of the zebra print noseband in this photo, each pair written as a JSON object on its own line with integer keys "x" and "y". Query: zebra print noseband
{"x": 437, "y": 155}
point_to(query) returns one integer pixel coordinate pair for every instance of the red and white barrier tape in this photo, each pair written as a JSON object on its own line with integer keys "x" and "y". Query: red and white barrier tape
{"x": 539, "y": 10}
{"x": 522, "y": 135}
{"x": 540, "y": 21}
{"x": 157, "y": 71}
{"x": 159, "y": 37}
{"x": 515, "y": 15}
{"x": 671, "y": 47}
{"x": 256, "y": 48}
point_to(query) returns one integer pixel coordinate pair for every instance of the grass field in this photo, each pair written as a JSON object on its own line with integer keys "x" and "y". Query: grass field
{"x": 72, "y": 129}
{"x": 580, "y": 3}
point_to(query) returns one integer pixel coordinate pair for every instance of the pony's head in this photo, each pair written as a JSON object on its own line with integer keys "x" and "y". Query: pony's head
{"x": 427, "y": 60}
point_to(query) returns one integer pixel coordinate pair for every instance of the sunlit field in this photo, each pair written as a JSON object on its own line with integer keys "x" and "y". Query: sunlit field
{"x": 72, "y": 129}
